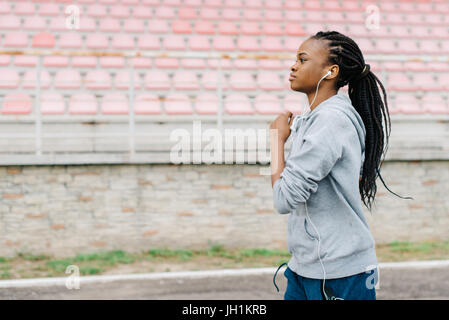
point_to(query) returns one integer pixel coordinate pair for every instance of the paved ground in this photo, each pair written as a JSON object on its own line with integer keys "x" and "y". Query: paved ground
{"x": 429, "y": 283}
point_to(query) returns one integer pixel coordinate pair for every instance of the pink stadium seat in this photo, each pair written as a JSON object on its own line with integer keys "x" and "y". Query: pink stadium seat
{"x": 309, "y": 16}
{"x": 112, "y": 62}
{"x": 84, "y": 61}
{"x": 392, "y": 17}
{"x": 142, "y": 12}
{"x": 162, "y": 12}
{"x": 295, "y": 4}
{"x": 252, "y": 15}
{"x": 393, "y": 66}
{"x": 119, "y": 11}
{"x": 5, "y": 7}
{"x": 247, "y": 43}
{"x": 230, "y": 14}
{"x": 331, "y": 6}
{"x": 199, "y": 43}
{"x": 444, "y": 47}
{"x": 294, "y": 29}
{"x": 96, "y": 41}
{"x": 274, "y": 15}
{"x": 209, "y": 14}
{"x": 294, "y": 102}
{"x": 157, "y": 80}
{"x": 48, "y": 9}
{"x": 96, "y": 11}
{"x": 178, "y": 103}
{"x": 272, "y": 44}
{"x": 70, "y": 40}
{"x": 228, "y": 28}
{"x": 174, "y": 42}
{"x": 52, "y": 103}
{"x": 9, "y": 22}
{"x": 419, "y": 31}
{"x": 223, "y": 43}
{"x": 193, "y": 63}
{"x": 350, "y": 5}
{"x": 24, "y": 8}
{"x": 149, "y": 42}
{"x": 114, "y": 103}
{"x": 16, "y": 39}
{"x": 234, "y": 3}
{"x": 185, "y": 80}
{"x": 272, "y": 29}
{"x": 83, "y": 103}
{"x": 158, "y": 26}
{"x": 187, "y": 13}
{"x": 67, "y": 79}
{"x": 87, "y": 24}
{"x": 59, "y": 24}
{"x": 365, "y": 45}
{"x": 206, "y": 103}
{"x": 415, "y": 66}
{"x": 17, "y": 103}
{"x": 215, "y": 64}
{"x": 355, "y": 17}
{"x": 429, "y": 46}
{"x": 173, "y": 3}
{"x": 181, "y": 26}
{"x": 425, "y": 81}
{"x": 408, "y": 46}
{"x": 250, "y": 28}
{"x": 212, "y": 3}
{"x": 408, "y": 104}
{"x": 241, "y": 80}
{"x": 236, "y": 103}
{"x": 123, "y": 77}
{"x": 385, "y": 46}
{"x": 166, "y": 63}
{"x": 273, "y": 4}
{"x": 56, "y": 61}
{"x": 269, "y": 81}
{"x": 267, "y": 104}
{"x": 210, "y": 81}
{"x": 5, "y": 59}
{"x": 443, "y": 79}
{"x": 292, "y": 44}
{"x": 30, "y": 79}
{"x": 255, "y": 4}
{"x": 434, "y": 103}
{"x": 147, "y": 103}
{"x": 98, "y": 79}
{"x": 204, "y": 27}
{"x": 25, "y": 60}
{"x": 271, "y": 64}
{"x": 9, "y": 79}
{"x": 246, "y": 64}
{"x": 123, "y": 41}
{"x": 400, "y": 82}
{"x": 43, "y": 40}
{"x": 109, "y": 25}
{"x": 193, "y": 3}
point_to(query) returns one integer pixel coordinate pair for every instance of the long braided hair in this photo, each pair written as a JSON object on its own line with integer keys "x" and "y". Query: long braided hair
{"x": 366, "y": 99}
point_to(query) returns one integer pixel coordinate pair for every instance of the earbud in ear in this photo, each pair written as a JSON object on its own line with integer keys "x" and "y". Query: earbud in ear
{"x": 328, "y": 73}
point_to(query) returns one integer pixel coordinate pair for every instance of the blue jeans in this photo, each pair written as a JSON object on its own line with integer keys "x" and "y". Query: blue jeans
{"x": 356, "y": 287}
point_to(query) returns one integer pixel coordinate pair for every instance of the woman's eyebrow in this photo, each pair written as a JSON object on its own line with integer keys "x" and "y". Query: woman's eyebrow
{"x": 300, "y": 53}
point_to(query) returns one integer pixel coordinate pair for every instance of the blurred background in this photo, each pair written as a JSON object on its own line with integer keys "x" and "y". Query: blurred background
{"x": 92, "y": 92}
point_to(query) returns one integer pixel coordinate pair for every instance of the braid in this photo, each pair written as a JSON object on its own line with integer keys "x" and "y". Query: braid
{"x": 366, "y": 99}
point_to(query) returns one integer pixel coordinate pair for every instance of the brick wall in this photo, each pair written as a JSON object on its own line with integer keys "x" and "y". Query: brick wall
{"x": 64, "y": 210}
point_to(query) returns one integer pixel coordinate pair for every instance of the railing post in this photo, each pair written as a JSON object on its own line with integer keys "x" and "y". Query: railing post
{"x": 37, "y": 109}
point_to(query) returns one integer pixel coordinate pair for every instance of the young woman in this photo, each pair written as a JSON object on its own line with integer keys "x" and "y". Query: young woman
{"x": 333, "y": 164}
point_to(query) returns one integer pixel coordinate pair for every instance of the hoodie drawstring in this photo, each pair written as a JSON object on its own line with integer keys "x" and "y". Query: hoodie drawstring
{"x": 274, "y": 277}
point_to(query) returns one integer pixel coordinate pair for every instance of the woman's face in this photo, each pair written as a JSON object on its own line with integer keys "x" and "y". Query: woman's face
{"x": 311, "y": 65}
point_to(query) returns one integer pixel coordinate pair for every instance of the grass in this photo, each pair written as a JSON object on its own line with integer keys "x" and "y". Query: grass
{"x": 26, "y": 265}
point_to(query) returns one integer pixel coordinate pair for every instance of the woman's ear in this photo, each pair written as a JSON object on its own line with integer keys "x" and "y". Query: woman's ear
{"x": 334, "y": 69}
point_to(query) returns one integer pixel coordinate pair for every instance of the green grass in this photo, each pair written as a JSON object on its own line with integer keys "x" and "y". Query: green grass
{"x": 215, "y": 256}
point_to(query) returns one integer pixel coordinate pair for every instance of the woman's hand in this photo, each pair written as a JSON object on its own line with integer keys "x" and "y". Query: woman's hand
{"x": 282, "y": 123}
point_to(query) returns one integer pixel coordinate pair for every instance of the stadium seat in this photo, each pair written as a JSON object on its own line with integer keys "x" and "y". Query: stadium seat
{"x": 9, "y": 79}
{"x": 407, "y": 104}
{"x": 245, "y": 64}
{"x": 434, "y": 103}
{"x": 16, "y": 103}
{"x": 426, "y": 82}
{"x": 84, "y": 61}
{"x": 206, "y": 103}
{"x": 30, "y": 79}
{"x": 241, "y": 80}
{"x": 142, "y": 12}
{"x": 123, "y": 77}
{"x": 52, "y": 103}
{"x": 24, "y": 8}
{"x": 408, "y": 46}
{"x": 252, "y": 15}
{"x": 67, "y": 79}
{"x": 247, "y": 43}
{"x": 114, "y": 103}
{"x": 272, "y": 44}
{"x": 187, "y": 13}
{"x": 109, "y": 25}
{"x": 48, "y": 9}
{"x": 157, "y": 80}
{"x": 443, "y": 79}
{"x": 204, "y": 27}
{"x": 174, "y": 42}
{"x": 112, "y": 62}
{"x": 96, "y": 41}
{"x": 267, "y": 104}
{"x": 185, "y": 80}
{"x": 147, "y": 104}
{"x": 272, "y": 29}
{"x": 5, "y": 59}
{"x": 429, "y": 46}
{"x": 162, "y": 12}
{"x": 199, "y": 43}
{"x": 119, "y": 11}
{"x": 5, "y": 7}
{"x": 250, "y": 28}
{"x": 294, "y": 29}
{"x": 98, "y": 79}
{"x": 141, "y": 62}
{"x": 123, "y": 41}
{"x": 177, "y": 104}
{"x": 269, "y": 81}
{"x": 26, "y": 60}
{"x": 227, "y": 28}
{"x": 16, "y": 39}
{"x": 96, "y": 11}
{"x": 149, "y": 42}
{"x": 9, "y": 22}
{"x": 193, "y": 63}
{"x": 400, "y": 82}
{"x": 181, "y": 26}
{"x": 271, "y": 64}
{"x": 166, "y": 63}
{"x": 86, "y": 24}
{"x": 158, "y": 26}
{"x": 83, "y": 103}
{"x": 230, "y": 14}
{"x": 43, "y": 40}
{"x": 273, "y": 15}
{"x": 223, "y": 43}
{"x": 210, "y": 81}
{"x": 237, "y": 103}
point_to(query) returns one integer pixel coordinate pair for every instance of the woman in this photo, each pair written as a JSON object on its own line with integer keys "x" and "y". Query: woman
{"x": 333, "y": 164}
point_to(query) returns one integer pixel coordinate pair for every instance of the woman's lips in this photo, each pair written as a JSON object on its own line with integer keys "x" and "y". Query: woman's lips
{"x": 291, "y": 78}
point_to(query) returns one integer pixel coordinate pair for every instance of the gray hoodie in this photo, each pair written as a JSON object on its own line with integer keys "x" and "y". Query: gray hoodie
{"x": 322, "y": 171}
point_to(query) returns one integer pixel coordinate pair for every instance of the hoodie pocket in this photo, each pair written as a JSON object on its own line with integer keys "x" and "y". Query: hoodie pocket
{"x": 307, "y": 231}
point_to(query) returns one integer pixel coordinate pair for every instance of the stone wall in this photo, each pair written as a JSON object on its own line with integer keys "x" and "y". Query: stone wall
{"x": 62, "y": 210}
